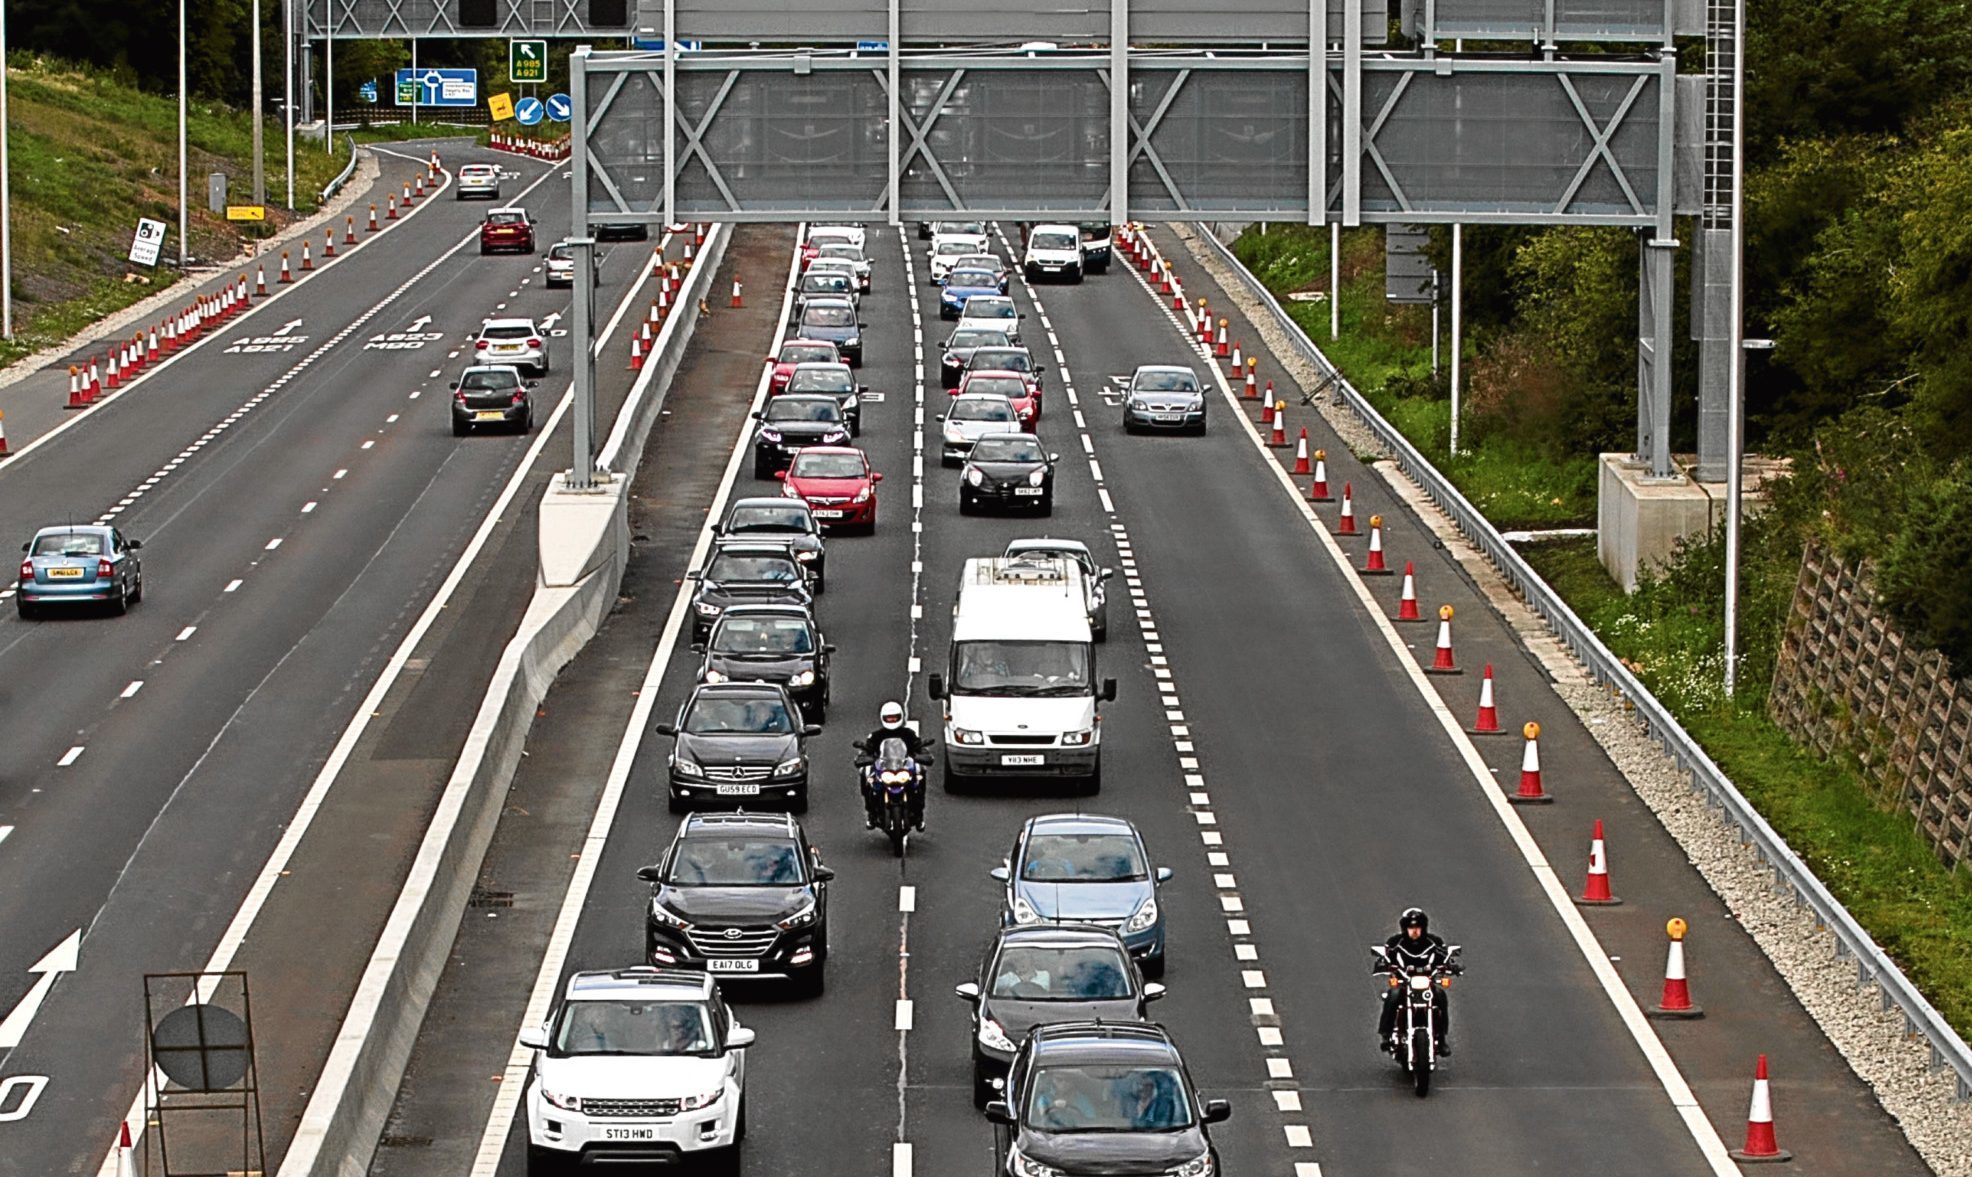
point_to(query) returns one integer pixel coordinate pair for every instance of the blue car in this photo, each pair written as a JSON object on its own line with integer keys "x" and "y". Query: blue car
{"x": 79, "y": 564}
{"x": 963, "y": 284}
{"x": 1086, "y": 869}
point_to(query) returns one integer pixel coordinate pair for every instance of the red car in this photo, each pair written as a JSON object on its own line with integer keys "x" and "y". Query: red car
{"x": 810, "y": 250}
{"x": 798, "y": 351}
{"x": 1019, "y": 387}
{"x": 837, "y": 482}
{"x": 506, "y": 228}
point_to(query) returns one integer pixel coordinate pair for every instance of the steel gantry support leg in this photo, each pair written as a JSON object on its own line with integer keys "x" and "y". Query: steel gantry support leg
{"x": 670, "y": 119}
{"x": 581, "y": 471}
{"x": 893, "y": 143}
{"x": 1352, "y": 113}
{"x": 1655, "y": 320}
{"x": 1119, "y": 112}
{"x": 1317, "y": 111}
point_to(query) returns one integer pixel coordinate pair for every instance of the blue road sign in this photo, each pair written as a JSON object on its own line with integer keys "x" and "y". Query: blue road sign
{"x": 651, "y": 43}
{"x": 438, "y": 87}
{"x": 560, "y": 107}
{"x": 872, "y": 46}
{"x": 367, "y": 91}
{"x": 528, "y": 111}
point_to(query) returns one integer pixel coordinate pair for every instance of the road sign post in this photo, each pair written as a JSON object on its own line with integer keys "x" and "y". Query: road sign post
{"x": 527, "y": 61}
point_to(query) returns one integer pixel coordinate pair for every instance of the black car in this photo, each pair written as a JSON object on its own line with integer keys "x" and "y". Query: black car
{"x": 609, "y": 232}
{"x": 823, "y": 284}
{"x": 773, "y": 644}
{"x": 790, "y": 422}
{"x": 1005, "y": 359}
{"x": 492, "y": 395}
{"x": 778, "y": 521}
{"x": 1008, "y": 470}
{"x": 751, "y": 573}
{"x": 1038, "y": 974}
{"x": 739, "y": 742}
{"x": 740, "y": 895}
{"x": 837, "y": 381}
{"x": 1094, "y": 1098}
{"x": 959, "y": 349}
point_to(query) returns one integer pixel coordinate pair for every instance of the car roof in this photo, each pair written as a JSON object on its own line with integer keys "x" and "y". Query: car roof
{"x": 752, "y": 547}
{"x": 641, "y": 981}
{"x": 805, "y": 342}
{"x": 1080, "y": 823}
{"x": 831, "y": 365}
{"x": 1061, "y": 936}
{"x": 790, "y": 398}
{"x": 74, "y": 529}
{"x": 1166, "y": 368}
{"x": 831, "y": 300}
{"x": 471, "y": 368}
{"x": 508, "y": 322}
{"x": 832, "y": 450}
{"x": 479, "y": 167}
{"x": 739, "y": 690}
{"x": 769, "y": 611}
{"x": 1042, "y": 543}
{"x": 759, "y": 501}
{"x": 1096, "y": 1042}
{"x": 973, "y": 374}
{"x": 722, "y": 823}
{"x": 983, "y": 396}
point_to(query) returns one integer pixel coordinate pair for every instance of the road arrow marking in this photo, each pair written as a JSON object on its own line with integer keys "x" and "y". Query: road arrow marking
{"x": 288, "y": 326}
{"x": 60, "y": 959}
{"x": 419, "y": 323}
{"x": 548, "y": 323}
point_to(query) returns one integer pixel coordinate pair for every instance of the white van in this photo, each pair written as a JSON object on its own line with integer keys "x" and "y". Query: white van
{"x": 1020, "y": 687}
{"x": 1053, "y": 251}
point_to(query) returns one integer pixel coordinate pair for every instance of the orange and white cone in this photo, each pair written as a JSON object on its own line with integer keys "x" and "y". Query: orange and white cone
{"x": 113, "y": 372}
{"x": 150, "y": 346}
{"x": 1595, "y": 890}
{"x": 1178, "y": 303}
{"x": 1238, "y": 356}
{"x": 1530, "y": 791}
{"x": 1164, "y": 280}
{"x": 286, "y": 274}
{"x": 373, "y": 218}
{"x": 1278, "y": 439}
{"x": 77, "y": 397}
{"x": 1202, "y": 325}
{"x": 1441, "y": 658}
{"x": 1373, "y": 564}
{"x": 1488, "y": 721}
{"x": 1222, "y": 347}
{"x": 656, "y": 261}
{"x": 1760, "y": 1142}
{"x": 434, "y": 165}
{"x": 3, "y": 435}
{"x": 390, "y": 206}
{"x": 1676, "y": 1002}
{"x": 656, "y": 312}
{"x": 126, "y": 1152}
{"x": 420, "y": 189}
{"x": 407, "y": 195}
{"x": 636, "y": 352}
{"x": 1407, "y": 600}
{"x": 307, "y": 263}
{"x": 328, "y": 242}
{"x": 1346, "y": 525}
{"x": 1318, "y": 493}
{"x": 1301, "y": 465}
{"x": 260, "y": 280}
{"x": 738, "y": 300}
{"x": 95, "y": 385}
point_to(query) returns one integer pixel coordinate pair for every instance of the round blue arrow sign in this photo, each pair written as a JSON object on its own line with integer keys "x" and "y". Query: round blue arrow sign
{"x": 528, "y": 111}
{"x": 560, "y": 107}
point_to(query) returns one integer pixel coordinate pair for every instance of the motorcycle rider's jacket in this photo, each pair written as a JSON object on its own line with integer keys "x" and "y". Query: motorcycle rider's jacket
{"x": 1423, "y": 954}
{"x": 912, "y": 742}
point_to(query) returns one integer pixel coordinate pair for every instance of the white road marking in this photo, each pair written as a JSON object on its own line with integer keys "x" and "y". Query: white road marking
{"x": 1298, "y": 1135}
{"x": 70, "y": 757}
{"x": 900, "y": 1159}
{"x": 308, "y": 508}
{"x": 341, "y": 474}
{"x": 186, "y": 633}
{"x": 131, "y": 690}
{"x": 5, "y": 832}
{"x": 367, "y": 444}
{"x": 903, "y": 1019}
{"x": 1288, "y": 1101}
{"x": 907, "y": 898}
{"x": 272, "y": 544}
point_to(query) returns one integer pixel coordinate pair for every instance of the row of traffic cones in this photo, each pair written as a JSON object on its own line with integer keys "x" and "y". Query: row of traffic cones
{"x": 670, "y": 290}
{"x": 548, "y": 149}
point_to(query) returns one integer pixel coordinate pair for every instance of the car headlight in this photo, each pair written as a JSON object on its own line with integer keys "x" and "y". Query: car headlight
{"x": 1199, "y": 1166}
{"x": 790, "y": 767}
{"x": 952, "y": 361}
{"x": 706, "y": 609}
{"x": 962, "y": 735}
{"x": 993, "y": 1036}
{"x": 696, "y": 1103}
{"x": 804, "y": 679}
{"x": 1024, "y": 913}
{"x": 685, "y": 767}
{"x": 1074, "y": 739}
{"x": 770, "y": 434}
{"x": 567, "y": 1103}
{"x": 788, "y": 491}
{"x": 954, "y": 437}
{"x": 1143, "y": 917}
{"x": 973, "y": 476}
{"x": 862, "y": 496}
{"x": 834, "y": 436}
{"x": 850, "y": 402}
{"x": 713, "y": 676}
{"x": 802, "y": 917}
{"x": 1020, "y": 1165}
{"x": 806, "y": 555}
{"x": 664, "y": 915}
{"x": 1037, "y": 478}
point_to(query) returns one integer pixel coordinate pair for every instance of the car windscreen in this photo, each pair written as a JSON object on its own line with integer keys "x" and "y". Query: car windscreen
{"x": 1054, "y": 241}
{"x": 977, "y": 337}
{"x": 505, "y": 219}
{"x": 824, "y": 282}
{"x": 483, "y": 381}
{"x": 808, "y": 353}
{"x": 982, "y": 409}
{"x": 1086, "y": 561}
{"x": 1095, "y": 1098}
{"x": 506, "y": 331}
{"x": 1007, "y": 386}
{"x": 976, "y": 228}
{"x": 1083, "y": 858}
{"x": 1005, "y": 359}
{"x": 1008, "y": 449}
{"x": 827, "y": 466}
{"x": 789, "y": 518}
{"x": 990, "y": 308}
{"x": 979, "y": 261}
{"x": 973, "y": 279}
{"x": 736, "y": 861}
{"x": 74, "y": 543}
{"x": 783, "y": 409}
{"x": 955, "y": 248}
{"x": 1020, "y": 668}
{"x": 821, "y": 380}
{"x": 632, "y": 1027}
{"x": 845, "y": 252}
{"x": 828, "y": 316}
{"x": 724, "y": 715}
{"x": 1080, "y": 973}
{"x": 561, "y": 253}
{"x": 728, "y": 567}
{"x": 763, "y": 635}
{"x": 1165, "y": 382}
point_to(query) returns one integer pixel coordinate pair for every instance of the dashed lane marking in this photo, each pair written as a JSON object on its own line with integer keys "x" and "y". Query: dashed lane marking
{"x": 131, "y": 690}
{"x": 70, "y": 757}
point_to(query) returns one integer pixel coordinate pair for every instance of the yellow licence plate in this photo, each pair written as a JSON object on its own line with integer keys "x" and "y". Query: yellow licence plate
{"x": 489, "y": 415}
{"x": 64, "y": 573}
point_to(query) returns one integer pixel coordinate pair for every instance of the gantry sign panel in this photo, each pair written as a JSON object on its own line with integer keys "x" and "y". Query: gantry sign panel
{"x": 1545, "y": 22}
{"x": 368, "y": 19}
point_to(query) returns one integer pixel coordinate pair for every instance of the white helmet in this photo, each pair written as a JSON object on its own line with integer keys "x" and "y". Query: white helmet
{"x": 892, "y": 715}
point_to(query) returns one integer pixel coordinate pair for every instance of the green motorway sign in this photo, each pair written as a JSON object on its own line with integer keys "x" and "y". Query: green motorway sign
{"x": 527, "y": 61}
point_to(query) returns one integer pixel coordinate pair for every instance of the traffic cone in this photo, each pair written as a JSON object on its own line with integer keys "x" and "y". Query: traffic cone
{"x": 1530, "y": 791}
{"x": 407, "y": 195}
{"x": 691, "y": 253}
{"x": 1407, "y": 600}
{"x": 738, "y": 301}
{"x": 126, "y": 1152}
{"x": 1318, "y": 493}
{"x": 76, "y": 398}
{"x": 1760, "y": 1142}
{"x": 1346, "y": 525}
{"x": 328, "y": 242}
{"x": 1238, "y": 356}
{"x": 349, "y": 230}
{"x": 1279, "y": 437}
{"x": 1595, "y": 891}
{"x": 1164, "y": 281}
{"x": 1220, "y": 346}
{"x": 286, "y": 276}
{"x": 1677, "y": 1001}
{"x": 1441, "y": 660}
{"x": 150, "y": 347}
{"x": 1250, "y": 387}
{"x": 1178, "y": 303}
{"x": 95, "y": 387}
{"x": 1488, "y": 722}
{"x": 636, "y": 352}
{"x": 170, "y": 336}
{"x": 656, "y": 311}
{"x": 260, "y": 280}
{"x": 698, "y": 233}
{"x": 419, "y": 191}
{"x": 390, "y": 206}
{"x": 657, "y": 260}
{"x": 434, "y": 165}
{"x": 373, "y": 218}
{"x": 112, "y": 376}
{"x": 307, "y": 263}
{"x": 1203, "y": 324}
{"x": 1301, "y": 465}
{"x": 1373, "y": 564}
{"x": 3, "y": 435}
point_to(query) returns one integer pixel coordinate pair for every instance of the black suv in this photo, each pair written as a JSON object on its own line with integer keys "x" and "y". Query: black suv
{"x": 740, "y": 742}
{"x": 1087, "y": 1098}
{"x": 740, "y": 895}
{"x": 780, "y": 520}
{"x": 771, "y": 644}
{"x": 746, "y": 574}
{"x": 791, "y": 421}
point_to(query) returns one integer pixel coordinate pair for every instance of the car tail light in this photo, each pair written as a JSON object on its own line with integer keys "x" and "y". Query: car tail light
{"x": 103, "y": 570}
{"x": 479, "y": 345}
{"x": 27, "y": 571}
{"x": 519, "y": 397}
{"x": 460, "y": 396}
{"x": 534, "y": 343}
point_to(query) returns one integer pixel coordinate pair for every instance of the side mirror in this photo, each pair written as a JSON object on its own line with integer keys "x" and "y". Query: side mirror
{"x": 1001, "y": 872}
{"x": 694, "y": 575}
{"x": 1021, "y": 315}
{"x": 24, "y": 547}
{"x": 780, "y": 476}
{"x": 1040, "y": 369}
{"x": 828, "y": 647}
{"x": 1105, "y": 574}
{"x": 534, "y": 1037}
{"x": 760, "y": 416}
{"x": 969, "y": 990}
{"x": 698, "y": 647}
{"x": 534, "y": 384}
{"x": 1053, "y": 458}
{"x": 650, "y": 874}
{"x": 812, "y": 729}
{"x": 739, "y": 1037}
{"x": 1163, "y": 874}
{"x": 824, "y": 873}
{"x": 864, "y": 761}
{"x": 861, "y": 326}
{"x": 1217, "y": 1111}
{"x": 860, "y": 745}
{"x": 135, "y": 544}
{"x": 935, "y": 686}
{"x": 996, "y": 1112}
{"x": 666, "y": 729}
{"x": 862, "y": 388}
{"x": 772, "y": 360}
{"x": 1152, "y": 991}
{"x": 876, "y": 476}
{"x": 1108, "y": 690}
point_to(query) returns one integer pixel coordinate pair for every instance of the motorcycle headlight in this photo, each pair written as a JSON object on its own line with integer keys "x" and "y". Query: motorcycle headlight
{"x": 804, "y": 679}
{"x": 667, "y": 917}
{"x": 862, "y": 496}
{"x": 1199, "y": 1166}
{"x": 804, "y": 916}
{"x": 1020, "y": 1165}
{"x": 707, "y": 609}
{"x": 895, "y": 778}
{"x": 1024, "y": 913}
{"x": 770, "y": 434}
{"x": 567, "y": 1103}
{"x": 1037, "y": 478}
{"x": 790, "y": 767}
{"x": 1075, "y": 739}
{"x": 993, "y": 1036}
{"x": 713, "y": 676}
{"x": 695, "y": 1103}
{"x": 962, "y": 735}
{"x": 973, "y": 476}
{"x": 1420, "y": 983}
{"x": 1143, "y": 917}
{"x": 685, "y": 767}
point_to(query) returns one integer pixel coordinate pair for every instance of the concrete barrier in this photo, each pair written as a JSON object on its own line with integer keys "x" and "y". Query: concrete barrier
{"x": 584, "y": 543}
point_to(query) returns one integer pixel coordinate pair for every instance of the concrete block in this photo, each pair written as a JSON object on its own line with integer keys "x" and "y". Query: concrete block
{"x": 577, "y": 529}
{"x": 1639, "y": 519}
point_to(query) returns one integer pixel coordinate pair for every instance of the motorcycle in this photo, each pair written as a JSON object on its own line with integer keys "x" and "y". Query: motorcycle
{"x": 897, "y": 775}
{"x": 1414, "y": 1037}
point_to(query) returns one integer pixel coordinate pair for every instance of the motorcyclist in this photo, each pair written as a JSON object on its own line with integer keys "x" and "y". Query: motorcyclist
{"x": 891, "y": 726}
{"x": 1415, "y": 949}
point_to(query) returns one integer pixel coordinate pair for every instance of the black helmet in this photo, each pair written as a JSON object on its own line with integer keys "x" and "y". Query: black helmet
{"x": 1414, "y": 917}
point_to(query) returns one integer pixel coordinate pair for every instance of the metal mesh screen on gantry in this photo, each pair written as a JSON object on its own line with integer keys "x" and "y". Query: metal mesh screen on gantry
{"x": 1033, "y": 140}
{"x": 1219, "y": 141}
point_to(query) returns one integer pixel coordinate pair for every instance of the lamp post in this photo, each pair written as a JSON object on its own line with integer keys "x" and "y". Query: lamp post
{"x": 1737, "y": 343}
{"x": 6, "y": 198}
{"x": 259, "y": 113}
{"x": 287, "y": 58}
{"x": 184, "y": 181}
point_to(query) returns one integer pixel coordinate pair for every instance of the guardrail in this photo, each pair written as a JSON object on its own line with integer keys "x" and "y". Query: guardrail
{"x": 348, "y": 170}
{"x": 1872, "y": 964}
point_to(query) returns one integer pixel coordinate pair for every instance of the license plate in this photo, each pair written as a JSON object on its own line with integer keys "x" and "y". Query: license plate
{"x": 1022, "y": 760}
{"x": 64, "y": 573}
{"x": 742, "y": 965}
{"x": 629, "y": 1133}
{"x": 739, "y": 790}
{"x": 1027, "y": 490}
{"x": 828, "y": 514}
{"x": 1170, "y": 416}
{"x": 489, "y": 415}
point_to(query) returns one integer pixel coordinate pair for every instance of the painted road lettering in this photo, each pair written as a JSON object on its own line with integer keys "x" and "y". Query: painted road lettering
{"x": 402, "y": 340}
{"x": 18, "y": 1094}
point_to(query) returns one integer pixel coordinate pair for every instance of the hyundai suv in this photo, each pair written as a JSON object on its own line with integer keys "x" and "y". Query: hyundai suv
{"x": 636, "y": 1064}
{"x": 740, "y": 895}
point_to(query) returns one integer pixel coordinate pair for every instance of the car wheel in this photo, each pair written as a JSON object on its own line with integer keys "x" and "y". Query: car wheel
{"x": 815, "y": 983}
{"x": 137, "y": 590}
{"x": 1127, "y": 427}
{"x": 821, "y": 577}
{"x": 1153, "y": 966}
{"x": 542, "y": 1161}
{"x": 527, "y": 422}
{"x": 120, "y": 603}
{"x": 762, "y": 469}
{"x": 983, "y": 1091}
{"x": 1047, "y": 504}
{"x": 1075, "y": 279}
{"x": 679, "y": 804}
{"x": 27, "y": 612}
{"x": 1092, "y": 784}
{"x": 460, "y": 429}
{"x": 966, "y": 506}
{"x": 856, "y": 425}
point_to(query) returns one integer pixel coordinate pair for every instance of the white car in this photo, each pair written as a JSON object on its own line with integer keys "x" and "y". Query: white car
{"x": 948, "y": 248}
{"x": 478, "y": 181}
{"x": 637, "y": 1064}
{"x": 843, "y": 253}
{"x": 859, "y": 282}
{"x": 512, "y": 341}
{"x": 994, "y": 314}
{"x": 853, "y": 234}
{"x": 1053, "y": 251}
{"x": 971, "y": 417}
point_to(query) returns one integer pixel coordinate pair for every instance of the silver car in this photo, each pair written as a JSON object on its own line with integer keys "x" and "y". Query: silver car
{"x": 560, "y": 270}
{"x": 1164, "y": 396}
{"x": 479, "y": 181}
{"x": 971, "y": 417}
{"x": 1075, "y": 868}
{"x": 1092, "y": 576}
{"x": 842, "y": 251}
{"x": 512, "y": 341}
{"x": 77, "y": 565}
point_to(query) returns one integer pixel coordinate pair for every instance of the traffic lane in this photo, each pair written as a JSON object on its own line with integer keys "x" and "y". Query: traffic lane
{"x": 1836, "y": 1113}
{"x": 1369, "y": 808}
{"x": 822, "y": 1080}
{"x": 468, "y": 1031}
{"x": 1206, "y": 1008}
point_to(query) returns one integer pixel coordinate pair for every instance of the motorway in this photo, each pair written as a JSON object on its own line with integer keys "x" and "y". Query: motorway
{"x": 301, "y": 501}
{"x": 1272, "y": 738}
